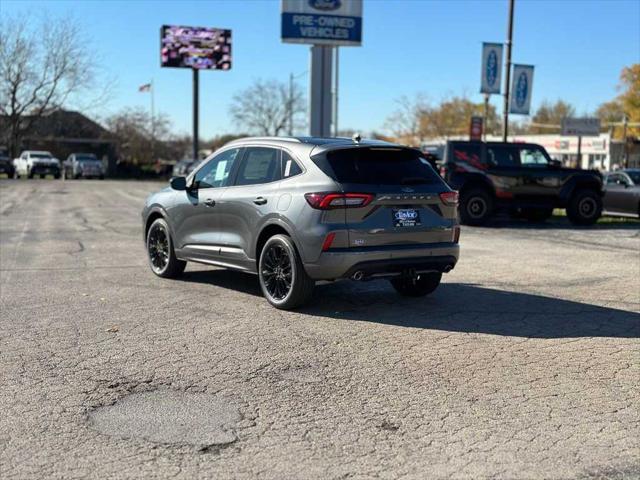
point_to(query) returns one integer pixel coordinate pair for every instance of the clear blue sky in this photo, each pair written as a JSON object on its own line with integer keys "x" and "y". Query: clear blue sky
{"x": 577, "y": 46}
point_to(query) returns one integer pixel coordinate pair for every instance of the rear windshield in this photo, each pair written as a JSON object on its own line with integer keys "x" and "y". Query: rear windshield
{"x": 378, "y": 166}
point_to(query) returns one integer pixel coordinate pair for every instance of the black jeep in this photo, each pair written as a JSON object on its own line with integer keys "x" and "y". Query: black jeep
{"x": 521, "y": 178}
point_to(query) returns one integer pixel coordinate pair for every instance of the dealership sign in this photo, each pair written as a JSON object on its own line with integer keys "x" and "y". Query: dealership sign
{"x": 582, "y": 127}
{"x": 521, "y": 89}
{"x": 491, "y": 68}
{"x": 322, "y": 22}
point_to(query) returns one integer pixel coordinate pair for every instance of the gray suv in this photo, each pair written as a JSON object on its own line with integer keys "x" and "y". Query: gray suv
{"x": 298, "y": 210}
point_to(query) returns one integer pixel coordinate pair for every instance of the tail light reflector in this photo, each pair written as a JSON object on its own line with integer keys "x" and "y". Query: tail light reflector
{"x": 449, "y": 198}
{"x": 456, "y": 234}
{"x": 326, "y": 245}
{"x": 329, "y": 200}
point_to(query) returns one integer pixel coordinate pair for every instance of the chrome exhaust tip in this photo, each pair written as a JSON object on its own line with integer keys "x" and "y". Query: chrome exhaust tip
{"x": 358, "y": 276}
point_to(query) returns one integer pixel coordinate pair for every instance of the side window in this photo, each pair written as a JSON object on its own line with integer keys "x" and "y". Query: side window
{"x": 470, "y": 154}
{"x": 215, "y": 173}
{"x": 532, "y": 157}
{"x": 613, "y": 179}
{"x": 260, "y": 165}
{"x": 501, "y": 156}
{"x": 290, "y": 167}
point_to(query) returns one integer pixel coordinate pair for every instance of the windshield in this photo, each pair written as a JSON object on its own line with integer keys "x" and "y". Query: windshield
{"x": 86, "y": 158}
{"x": 378, "y": 166}
{"x": 40, "y": 155}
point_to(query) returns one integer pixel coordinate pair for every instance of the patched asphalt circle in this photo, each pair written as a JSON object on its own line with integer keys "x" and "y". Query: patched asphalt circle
{"x": 168, "y": 417}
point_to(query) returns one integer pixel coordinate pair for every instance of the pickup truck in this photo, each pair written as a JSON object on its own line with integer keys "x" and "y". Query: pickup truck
{"x": 521, "y": 178}
{"x": 32, "y": 162}
{"x": 83, "y": 165}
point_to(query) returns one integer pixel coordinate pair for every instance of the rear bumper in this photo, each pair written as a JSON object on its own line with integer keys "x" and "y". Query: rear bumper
{"x": 384, "y": 261}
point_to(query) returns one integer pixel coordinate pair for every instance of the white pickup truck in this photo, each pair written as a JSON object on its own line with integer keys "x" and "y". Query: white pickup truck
{"x": 31, "y": 162}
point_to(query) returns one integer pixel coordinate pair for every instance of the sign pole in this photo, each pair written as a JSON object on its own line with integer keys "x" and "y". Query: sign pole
{"x": 195, "y": 113}
{"x": 485, "y": 121}
{"x": 320, "y": 91}
{"x": 505, "y": 113}
{"x": 579, "y": 165}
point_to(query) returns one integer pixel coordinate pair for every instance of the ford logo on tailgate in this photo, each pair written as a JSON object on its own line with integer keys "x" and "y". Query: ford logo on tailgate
{"x": 325, "y": 4}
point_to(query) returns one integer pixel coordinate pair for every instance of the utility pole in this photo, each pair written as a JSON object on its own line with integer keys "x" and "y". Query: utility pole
{"x": 290, "y": 107}
{"x": 625, "y": 122}
{"x": 505, "y": 112}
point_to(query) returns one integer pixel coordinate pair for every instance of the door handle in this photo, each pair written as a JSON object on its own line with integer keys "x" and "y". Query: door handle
{"x": 210, "y": 202}
{"x": 260, "y": 201}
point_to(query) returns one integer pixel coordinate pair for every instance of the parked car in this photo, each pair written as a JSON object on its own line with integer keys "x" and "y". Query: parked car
{"x": 83, "y": 165}
{"x": 31, "y": 162}
{"x": 6, "y": 166}
{"x": 622, "y": 193}
{"x": 297, "y": 210}
{"x": 521, "y": 178}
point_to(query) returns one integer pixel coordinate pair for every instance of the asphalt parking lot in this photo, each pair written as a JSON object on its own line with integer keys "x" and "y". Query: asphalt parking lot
{"x": 524, "y": 364}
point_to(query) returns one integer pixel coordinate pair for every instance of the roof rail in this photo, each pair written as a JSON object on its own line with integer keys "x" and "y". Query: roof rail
{"x": 265, "y": 139}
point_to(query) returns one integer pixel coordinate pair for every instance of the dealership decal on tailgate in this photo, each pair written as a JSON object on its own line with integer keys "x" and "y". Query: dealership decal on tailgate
{"x": 406, "y": 217}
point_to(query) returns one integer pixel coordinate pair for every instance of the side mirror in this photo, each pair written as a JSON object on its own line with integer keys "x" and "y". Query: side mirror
{"x": 555, "y": 163}
{"x": 178, "y": 183}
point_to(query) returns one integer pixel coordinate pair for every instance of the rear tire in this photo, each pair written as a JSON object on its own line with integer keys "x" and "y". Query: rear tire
{"x": 425, "y": 284}
{"x": 585, "y": 207}
{"x": 162, "y": 257}
{"x": 476, "y": 206}
{"x": 283, "y": 279}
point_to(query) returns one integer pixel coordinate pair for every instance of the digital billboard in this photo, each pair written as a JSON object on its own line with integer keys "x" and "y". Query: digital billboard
{"x": 199, "y": 48}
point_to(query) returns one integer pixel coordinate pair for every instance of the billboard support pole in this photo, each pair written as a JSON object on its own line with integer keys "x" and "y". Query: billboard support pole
{"x": 505, "y": 113}
{"x": 195, "y": 113}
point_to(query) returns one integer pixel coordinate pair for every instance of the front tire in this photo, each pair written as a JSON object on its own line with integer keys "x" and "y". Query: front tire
{"x": 476, "y": 206}
{"x": 283, "y": 279}
{"x": 585, "y": 207}
{"x": 162, "y": 257}
{"x": 423, "y": 285}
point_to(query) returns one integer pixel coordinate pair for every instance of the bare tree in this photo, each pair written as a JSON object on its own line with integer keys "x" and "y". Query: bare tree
{"x": 132, "y": 130}
{"x": 42, "y": 66}
{"x": 265, "y": 107}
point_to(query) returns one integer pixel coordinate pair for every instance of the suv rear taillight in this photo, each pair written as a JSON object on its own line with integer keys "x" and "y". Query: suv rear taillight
{"x": 449, "y": 198}
{"x": 329, "y": 200}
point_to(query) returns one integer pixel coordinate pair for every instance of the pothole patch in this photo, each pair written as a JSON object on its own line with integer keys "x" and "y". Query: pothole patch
{"x": 169, "y": 417}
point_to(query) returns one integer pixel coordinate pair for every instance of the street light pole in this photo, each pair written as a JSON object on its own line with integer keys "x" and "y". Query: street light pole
{"x": 505, "y": 112}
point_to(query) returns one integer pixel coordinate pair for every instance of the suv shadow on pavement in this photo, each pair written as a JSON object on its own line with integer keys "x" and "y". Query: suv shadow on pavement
{"x": 454, "y": 307}
{"x": 559, "y": 223}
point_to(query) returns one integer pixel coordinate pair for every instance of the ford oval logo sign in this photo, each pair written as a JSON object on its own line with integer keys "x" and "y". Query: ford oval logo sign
{"x": 522, "y": 90}
{"x": 492, "y": 68}
{"x": 325, "y": 4}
